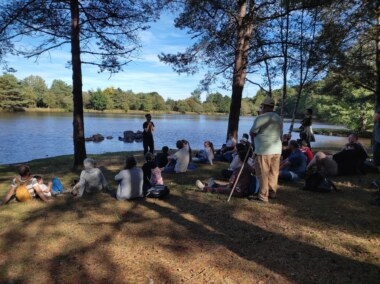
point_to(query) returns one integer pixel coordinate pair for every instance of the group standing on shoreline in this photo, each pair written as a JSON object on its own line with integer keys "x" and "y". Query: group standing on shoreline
{"x": 255, "y": 167}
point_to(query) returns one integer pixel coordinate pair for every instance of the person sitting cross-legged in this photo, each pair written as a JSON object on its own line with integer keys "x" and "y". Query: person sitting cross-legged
{"x": 130, "y": 181}
{"x": 294, "y": 167}
{"x": 178, "y": 162}
{"x": 91, "y": 179}
{"x": 24, "y": 179}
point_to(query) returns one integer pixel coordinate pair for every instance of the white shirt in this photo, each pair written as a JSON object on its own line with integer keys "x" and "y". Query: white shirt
{"x": 236, "y": 163}
{"x": 182, "y": 158}
{"x": 231, "y": 142}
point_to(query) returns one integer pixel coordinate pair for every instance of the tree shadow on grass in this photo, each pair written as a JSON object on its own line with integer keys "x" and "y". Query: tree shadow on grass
{"x": 297, "y": 261}
{"x": 93, "y": 236}
{"x": 347, "y": 210}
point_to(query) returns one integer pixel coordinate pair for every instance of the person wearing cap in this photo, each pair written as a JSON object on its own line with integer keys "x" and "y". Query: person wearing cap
{"x": 266, "y": 135}
{"x": 148, "y": 141}
{"x": 294, "y": 167}
{"x": 244, "y": 140}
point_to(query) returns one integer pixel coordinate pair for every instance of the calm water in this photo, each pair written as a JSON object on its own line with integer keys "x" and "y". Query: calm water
{"x": 28, "y": 136}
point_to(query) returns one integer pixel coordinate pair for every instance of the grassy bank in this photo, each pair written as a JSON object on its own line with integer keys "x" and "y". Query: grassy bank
{"x": 190, "y": 237}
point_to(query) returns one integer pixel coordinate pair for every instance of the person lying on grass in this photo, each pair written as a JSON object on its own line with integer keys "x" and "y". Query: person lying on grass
{"x": 91, "y": 179}
{"x": 24, "y": 182}
{"x": 242, "y": 188}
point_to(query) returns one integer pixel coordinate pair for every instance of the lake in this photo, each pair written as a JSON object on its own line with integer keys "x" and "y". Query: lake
{"x": 28, "y": 136}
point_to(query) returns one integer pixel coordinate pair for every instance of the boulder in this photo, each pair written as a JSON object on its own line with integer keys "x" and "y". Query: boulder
{"x": 129, "y": 136}
{"x": 109, "y": 137}
{"x": 97, "y": 137}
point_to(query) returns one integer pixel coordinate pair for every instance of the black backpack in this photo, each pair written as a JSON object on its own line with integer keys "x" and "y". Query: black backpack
{"x": 158, "y": 191}
{"x": 317, "y": 182}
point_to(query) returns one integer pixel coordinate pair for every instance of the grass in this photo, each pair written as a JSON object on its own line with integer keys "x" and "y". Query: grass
{"x": 189, "y": 237}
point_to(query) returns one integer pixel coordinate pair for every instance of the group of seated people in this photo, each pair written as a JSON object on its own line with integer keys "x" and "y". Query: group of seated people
{"x": 296, "y": 161}
{"x": 133, "y": 182}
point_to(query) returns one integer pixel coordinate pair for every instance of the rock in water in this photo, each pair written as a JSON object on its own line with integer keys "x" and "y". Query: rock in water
{"x": 97, "y": 137}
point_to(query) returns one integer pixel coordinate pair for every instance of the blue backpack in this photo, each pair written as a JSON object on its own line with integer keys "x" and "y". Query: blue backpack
{"x": 57, "y": 186}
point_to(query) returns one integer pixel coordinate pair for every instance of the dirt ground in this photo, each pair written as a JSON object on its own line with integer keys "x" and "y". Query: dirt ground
{"x": 189, "y": 237}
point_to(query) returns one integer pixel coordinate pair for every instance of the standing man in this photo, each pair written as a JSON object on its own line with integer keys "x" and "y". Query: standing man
{"x": 266, "y": 135}
{"x": 148, "y": 141}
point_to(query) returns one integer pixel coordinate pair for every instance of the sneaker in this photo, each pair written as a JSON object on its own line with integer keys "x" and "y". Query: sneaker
{"x": 199, "y": 184}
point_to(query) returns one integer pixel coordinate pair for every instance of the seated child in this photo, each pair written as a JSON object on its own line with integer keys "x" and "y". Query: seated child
{"x": 162, "y": 158}
{"x": 91, "y": 179}
{"x": 152, "y": 173}
{"x": 306, "y": 150}
{"x": 46, "y": 189}
{"x": 205, "y": 155}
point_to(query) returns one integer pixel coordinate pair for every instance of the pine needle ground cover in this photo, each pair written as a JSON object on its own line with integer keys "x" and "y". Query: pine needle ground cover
{"x": 189, "y": 237}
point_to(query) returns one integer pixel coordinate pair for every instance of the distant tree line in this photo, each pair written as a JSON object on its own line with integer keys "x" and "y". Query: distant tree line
{"x": 33, "y": 92}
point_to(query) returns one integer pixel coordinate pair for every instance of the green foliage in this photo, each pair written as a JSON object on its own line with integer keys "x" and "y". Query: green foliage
{"x": 11, "y": 98}
{"x": 98, "y": 100}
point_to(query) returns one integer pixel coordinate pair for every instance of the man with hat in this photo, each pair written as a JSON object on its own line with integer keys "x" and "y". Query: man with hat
{"x": 266, "y": 135}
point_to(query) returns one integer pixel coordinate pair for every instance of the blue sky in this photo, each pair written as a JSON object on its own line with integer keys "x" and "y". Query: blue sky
{"x": 145, "y": 74}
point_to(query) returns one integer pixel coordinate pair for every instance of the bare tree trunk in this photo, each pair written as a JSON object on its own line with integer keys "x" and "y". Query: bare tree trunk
{"x": 78, "y": 124}
{"x": 301, "y": 81}
{"x": 245, "y": 29}
{"x": 377, "y": 94}
{"x": 285, "y": 53}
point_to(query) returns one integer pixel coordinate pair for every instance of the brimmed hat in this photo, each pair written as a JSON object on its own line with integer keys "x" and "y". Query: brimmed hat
{"x": 268, "y": 101}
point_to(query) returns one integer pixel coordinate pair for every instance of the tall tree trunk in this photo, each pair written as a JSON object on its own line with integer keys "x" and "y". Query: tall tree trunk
{"x": 377, "y": 95}
{"x": 78, "y": 124}
{"x": 285, "y": 53}
{"x": 245, "y": 28}
{"x": 301, "y": 81}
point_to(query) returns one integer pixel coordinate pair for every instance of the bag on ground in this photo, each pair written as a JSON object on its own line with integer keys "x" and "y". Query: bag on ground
{"x": 317, "y": 182}
{"x": 158, "y": 191}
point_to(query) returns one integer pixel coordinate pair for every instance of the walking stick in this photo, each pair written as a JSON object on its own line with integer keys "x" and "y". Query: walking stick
{"x": 239, "y": 174}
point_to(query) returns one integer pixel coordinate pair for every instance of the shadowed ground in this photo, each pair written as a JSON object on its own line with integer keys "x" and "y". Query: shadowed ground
{"x": 189, "y": 237}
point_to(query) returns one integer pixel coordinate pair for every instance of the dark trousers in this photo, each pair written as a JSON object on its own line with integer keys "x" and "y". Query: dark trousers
{"x": 148, "y": 143}
{"x": 376, "y": 154}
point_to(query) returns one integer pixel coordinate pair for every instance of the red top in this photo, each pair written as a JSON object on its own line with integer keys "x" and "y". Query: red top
{"x": 309, "y": 155}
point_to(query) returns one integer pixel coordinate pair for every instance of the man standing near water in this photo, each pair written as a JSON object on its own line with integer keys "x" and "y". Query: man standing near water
{"x": 148, "y": 141}
{"x": 266, "y": 135}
